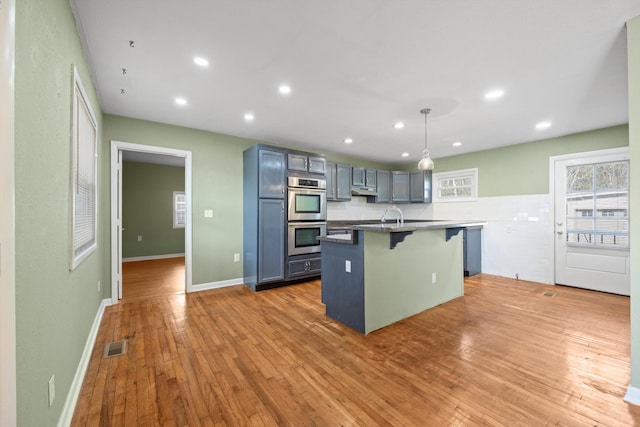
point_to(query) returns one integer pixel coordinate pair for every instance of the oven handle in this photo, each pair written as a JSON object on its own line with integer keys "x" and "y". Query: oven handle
{"x": 306, "y": 223}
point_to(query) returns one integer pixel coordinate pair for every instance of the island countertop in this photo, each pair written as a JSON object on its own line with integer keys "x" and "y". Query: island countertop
{"x": 393, "y": 227}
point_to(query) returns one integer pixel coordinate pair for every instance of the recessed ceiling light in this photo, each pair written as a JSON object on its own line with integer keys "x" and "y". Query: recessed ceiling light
{"x": 494, "y": 94}
{"x": 398, "y": 125}
{"x": 457, "y": 144}
{"x": 181, "y": 101}
{"x": 284, "y": 89}
{"x": 405, "y": 154}
{"x": 543, "y": 125}
{"x": 249, "y": 117}
{"x": 348, "y": 140}
{"x": 200, "y": 61}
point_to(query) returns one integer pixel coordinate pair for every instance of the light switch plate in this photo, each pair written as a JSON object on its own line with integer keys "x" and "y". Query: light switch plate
{"x": 347, "y": 266}
{"x": 208, "y": 213}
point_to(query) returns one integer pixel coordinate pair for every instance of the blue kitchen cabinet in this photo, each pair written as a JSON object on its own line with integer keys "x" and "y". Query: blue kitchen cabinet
{"x": 420, "y": 187}
{"x": 400, "y": 187}
{"x": 264, "y": 221}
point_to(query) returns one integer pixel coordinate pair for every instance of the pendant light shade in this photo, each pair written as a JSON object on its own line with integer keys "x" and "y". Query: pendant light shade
{"x": 425, "y": 164}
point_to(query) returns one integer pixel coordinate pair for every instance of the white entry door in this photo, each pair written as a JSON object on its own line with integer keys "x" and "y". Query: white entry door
{"x": 592, "y": 222}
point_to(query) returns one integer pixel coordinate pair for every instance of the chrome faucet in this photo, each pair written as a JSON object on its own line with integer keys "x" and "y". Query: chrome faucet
{"x": 399, "y": 220}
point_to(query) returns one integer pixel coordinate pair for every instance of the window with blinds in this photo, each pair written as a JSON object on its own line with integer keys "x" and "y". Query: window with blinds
{"x": 179, "y": 209}
{"x": 84, "y": 182}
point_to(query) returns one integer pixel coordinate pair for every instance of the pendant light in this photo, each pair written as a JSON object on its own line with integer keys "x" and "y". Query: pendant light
{"x": 425, "y": 164}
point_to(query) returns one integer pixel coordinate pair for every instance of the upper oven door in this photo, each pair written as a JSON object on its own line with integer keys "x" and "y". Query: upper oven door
{"x": 307, "y": 205}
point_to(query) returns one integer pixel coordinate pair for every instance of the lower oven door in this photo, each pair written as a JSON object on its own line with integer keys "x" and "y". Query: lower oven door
{"x": 303, "y": 237}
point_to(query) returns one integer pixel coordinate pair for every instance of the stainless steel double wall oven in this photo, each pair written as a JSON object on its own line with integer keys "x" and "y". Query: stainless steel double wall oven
{"x": 307, "y": 214}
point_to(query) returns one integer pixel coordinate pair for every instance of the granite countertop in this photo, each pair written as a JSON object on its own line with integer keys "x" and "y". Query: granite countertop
{"x": 391, "y": 227}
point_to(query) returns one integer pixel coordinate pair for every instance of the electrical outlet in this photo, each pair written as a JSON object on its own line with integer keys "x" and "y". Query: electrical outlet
{"x": 236, "y": 257}
{"x": 52, "y": 389}
{"x": 347, "y": 266}
{"x": 208, "y": 213}
{"x": 433, "y": 277}
{"x": 139, "y": 238}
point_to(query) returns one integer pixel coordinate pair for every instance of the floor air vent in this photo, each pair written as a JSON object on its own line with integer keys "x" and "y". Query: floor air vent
{"x": 115, "y": 349}
{"x": 549, "y": 294}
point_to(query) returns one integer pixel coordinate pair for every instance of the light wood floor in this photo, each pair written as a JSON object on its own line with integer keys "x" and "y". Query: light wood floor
{"x": 152, "y": 278}
{"x": 504, "y": 354}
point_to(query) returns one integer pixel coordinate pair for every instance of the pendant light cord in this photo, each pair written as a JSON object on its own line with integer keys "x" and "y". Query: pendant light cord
{"x": 425, "y": 131}
{"x": 425, "y": 111}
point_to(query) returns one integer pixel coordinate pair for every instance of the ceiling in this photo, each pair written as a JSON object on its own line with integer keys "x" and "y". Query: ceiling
{"x": 356, "y": 67}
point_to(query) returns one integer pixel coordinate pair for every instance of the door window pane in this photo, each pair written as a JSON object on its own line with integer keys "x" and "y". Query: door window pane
{"x": 598, "y": 204}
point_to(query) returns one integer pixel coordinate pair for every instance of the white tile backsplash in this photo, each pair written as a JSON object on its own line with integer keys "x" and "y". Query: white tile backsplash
{"x": 515, "y": 239}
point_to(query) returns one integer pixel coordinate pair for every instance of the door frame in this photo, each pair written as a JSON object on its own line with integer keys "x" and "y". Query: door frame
{"x": 552, "y": 196}
{"x": 8, "y": 387}
{"x": 117, "y": 146}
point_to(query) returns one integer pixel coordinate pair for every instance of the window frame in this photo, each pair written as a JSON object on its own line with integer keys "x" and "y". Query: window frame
{"x": 79, "y": 251}
{"x": 462, "y": 173}
{"x": 176, "y": 223}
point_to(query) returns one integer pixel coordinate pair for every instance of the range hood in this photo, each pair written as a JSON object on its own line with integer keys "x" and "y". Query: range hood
{"x": 355, "y": 191}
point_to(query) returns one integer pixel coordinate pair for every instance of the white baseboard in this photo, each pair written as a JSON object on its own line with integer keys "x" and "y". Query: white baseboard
{"x": 76, "y": 384}
{"x": 215, "y": 285}
{"x": 151, "y": 257}
{"x": 632, "y": 396}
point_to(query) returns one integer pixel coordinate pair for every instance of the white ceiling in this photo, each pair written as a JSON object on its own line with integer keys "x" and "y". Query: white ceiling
{"x": 355, "y": 67}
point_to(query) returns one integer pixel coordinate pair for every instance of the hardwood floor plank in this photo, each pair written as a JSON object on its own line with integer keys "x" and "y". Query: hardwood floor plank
{"x": 152, "y": 278}
{"x": 504, "y": 354}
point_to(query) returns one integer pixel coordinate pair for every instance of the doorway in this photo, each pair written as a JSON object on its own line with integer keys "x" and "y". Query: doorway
{"x": 118, "y": 150}
{"x": 590, "y": 197}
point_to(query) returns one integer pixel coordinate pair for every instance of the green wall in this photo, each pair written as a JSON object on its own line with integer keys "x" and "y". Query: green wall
{"x": 633, "y": 55}
{"x": 55, "y": 307}
{"x": 147, "y": 209}
{"x": 524, "y": 168}
{"x": 216, "y": 185}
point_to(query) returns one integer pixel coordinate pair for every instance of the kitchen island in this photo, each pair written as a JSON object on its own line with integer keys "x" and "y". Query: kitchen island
{"x": 384, "y": 272}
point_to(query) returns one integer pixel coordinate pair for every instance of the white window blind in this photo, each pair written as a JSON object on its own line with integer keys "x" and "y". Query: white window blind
{"x": 455, "y": 186}
{"x": 179, "y": 209}
{"x": 84, "y": 182}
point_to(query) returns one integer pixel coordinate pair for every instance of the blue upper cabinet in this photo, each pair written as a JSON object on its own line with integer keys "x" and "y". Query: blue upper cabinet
{"x": 421, "y": 187}
{"x": 383, "y": 186}
{"x": 400, "y": 183}
{"x": 338, "y": 182}
{"x": 306, "y": 163}
{"x": 272, "y": 183}
{"x": 363, "y": 178}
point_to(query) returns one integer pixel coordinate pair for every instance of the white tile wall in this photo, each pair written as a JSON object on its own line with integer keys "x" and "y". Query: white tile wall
{"x": 514, "y": 241}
